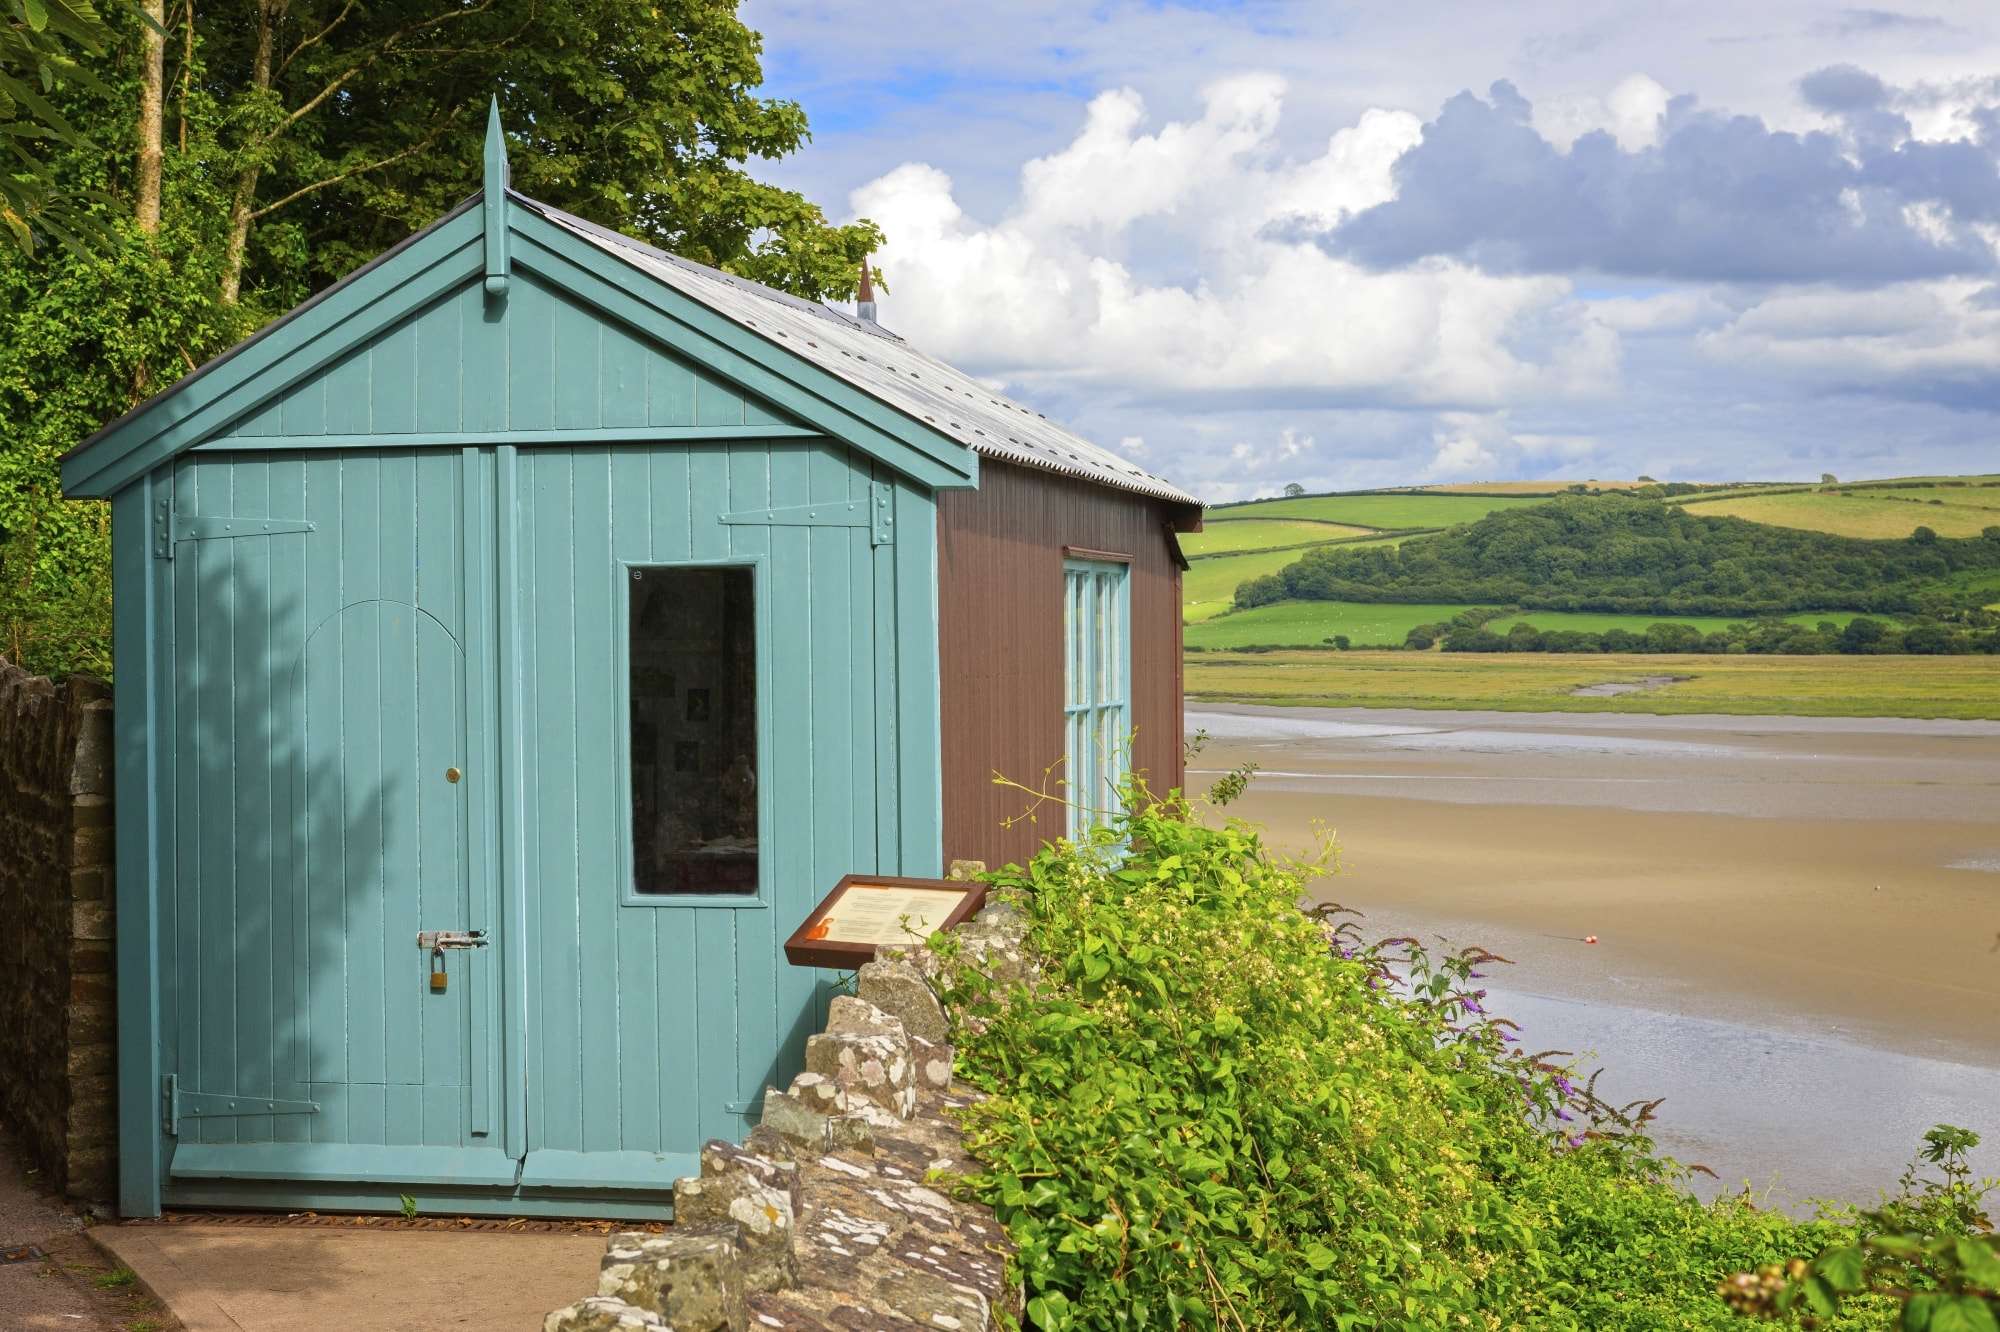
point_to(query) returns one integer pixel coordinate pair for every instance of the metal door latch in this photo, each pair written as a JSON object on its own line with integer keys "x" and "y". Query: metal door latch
{"x": 432, "y": 940}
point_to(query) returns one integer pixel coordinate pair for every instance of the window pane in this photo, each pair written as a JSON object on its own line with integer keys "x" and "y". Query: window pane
{"x": 693, "y": 661}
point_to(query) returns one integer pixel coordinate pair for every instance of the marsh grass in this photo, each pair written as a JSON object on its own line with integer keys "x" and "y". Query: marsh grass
{"x": 1829, "y": 686}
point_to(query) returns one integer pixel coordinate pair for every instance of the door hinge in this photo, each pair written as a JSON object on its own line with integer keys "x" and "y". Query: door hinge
{"x": 170, "y": 527}
{"x": 178, "y": 1105}
{"x": 876, "y": 513}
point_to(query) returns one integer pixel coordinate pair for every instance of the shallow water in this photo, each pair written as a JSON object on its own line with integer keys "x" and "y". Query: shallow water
{"x": 1799, "y": 917}
{"x": 1794, "y": 1115}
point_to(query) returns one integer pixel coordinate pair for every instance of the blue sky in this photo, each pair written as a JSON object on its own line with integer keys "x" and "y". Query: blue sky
{"x": 1377, "y": 243}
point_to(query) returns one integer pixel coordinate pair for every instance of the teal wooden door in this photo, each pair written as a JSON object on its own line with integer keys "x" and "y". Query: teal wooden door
{"x": 331, "y": 803}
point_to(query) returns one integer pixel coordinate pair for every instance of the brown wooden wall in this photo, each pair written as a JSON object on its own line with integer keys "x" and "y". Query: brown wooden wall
{"x": 1000, "y": 604}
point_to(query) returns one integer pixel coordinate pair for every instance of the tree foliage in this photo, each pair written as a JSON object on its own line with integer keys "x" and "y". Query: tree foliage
{"x": 301, "y": 138}
{"x": 40, "y": 43}
{"x": 1621, "y": 554}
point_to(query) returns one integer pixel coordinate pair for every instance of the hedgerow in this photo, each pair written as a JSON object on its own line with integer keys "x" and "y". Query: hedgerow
{"x": 1215, "y": 1110}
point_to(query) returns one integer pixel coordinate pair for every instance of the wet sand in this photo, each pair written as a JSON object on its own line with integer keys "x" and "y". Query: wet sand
{"x": 1798, "y": 919}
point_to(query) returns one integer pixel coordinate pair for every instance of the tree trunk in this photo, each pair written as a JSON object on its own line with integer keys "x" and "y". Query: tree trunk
{"x": 152, "y": 103}
{"x": 244, "y": 200}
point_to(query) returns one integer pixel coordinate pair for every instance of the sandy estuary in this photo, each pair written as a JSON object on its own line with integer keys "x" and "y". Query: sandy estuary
{"x": 1798, "y": 919}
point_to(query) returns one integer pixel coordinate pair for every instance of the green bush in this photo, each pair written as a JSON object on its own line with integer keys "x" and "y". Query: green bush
{"x": 1218, "y": 1111}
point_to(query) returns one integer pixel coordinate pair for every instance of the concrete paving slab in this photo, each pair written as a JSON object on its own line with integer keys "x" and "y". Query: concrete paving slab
{"x": 221, "y": 1278}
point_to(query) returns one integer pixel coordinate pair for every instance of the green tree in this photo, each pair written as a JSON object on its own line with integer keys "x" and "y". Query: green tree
{"x": 291, "y": 141}
{"x": 350, "y": 126}
{"x": 40, "y": 41}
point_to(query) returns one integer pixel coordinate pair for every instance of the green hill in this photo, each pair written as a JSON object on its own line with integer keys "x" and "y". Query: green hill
{"x": 1635, "y": 556}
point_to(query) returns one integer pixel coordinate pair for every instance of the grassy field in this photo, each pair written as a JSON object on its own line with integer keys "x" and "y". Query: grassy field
{"x": 1379, "y": 510}
{"x": 1368, "y": 624}
{"x": 1862, "y": 513}
{"x": 1208, "y": 588}
{"x": 1964, "y": 687}
{"x": 1221, "y": 535}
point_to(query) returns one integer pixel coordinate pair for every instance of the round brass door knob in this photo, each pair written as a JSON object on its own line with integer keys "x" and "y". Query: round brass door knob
{"x": 452, "y": 774}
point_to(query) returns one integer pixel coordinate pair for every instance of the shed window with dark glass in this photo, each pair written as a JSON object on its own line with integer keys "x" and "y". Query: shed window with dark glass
{"x": 693, "y": 662}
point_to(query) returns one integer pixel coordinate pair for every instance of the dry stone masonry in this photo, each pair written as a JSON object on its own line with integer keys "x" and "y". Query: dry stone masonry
{"x": 57, "y": 1044}
{"x": 836, "y": 1214}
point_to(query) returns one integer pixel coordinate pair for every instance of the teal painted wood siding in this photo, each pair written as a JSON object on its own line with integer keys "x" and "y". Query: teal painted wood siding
{"x": 654, "y": 1025}
{"x": 550, "y": 365}
{"x": 463, "y": 609}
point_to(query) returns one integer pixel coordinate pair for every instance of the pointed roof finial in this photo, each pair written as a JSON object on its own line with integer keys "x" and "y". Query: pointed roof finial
{"x": 495, "y": 202}
{"x": 864, "y": 300}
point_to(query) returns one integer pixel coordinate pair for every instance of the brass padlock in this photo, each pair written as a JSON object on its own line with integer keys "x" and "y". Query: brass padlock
{"x": 438, "y": 977}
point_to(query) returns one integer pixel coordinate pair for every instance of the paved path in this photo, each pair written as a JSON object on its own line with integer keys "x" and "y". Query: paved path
{"x": 223, "y": 1278}
{"x": 67, "y": 1284}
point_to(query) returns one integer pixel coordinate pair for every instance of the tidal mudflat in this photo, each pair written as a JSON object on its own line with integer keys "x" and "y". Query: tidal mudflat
{"x": 1798, "y": 919}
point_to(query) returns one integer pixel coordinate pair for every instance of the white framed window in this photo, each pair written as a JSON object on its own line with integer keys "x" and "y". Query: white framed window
{"x": 1097, "y": 644}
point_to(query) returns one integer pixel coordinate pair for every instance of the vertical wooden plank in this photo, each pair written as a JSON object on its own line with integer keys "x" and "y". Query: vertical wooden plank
{"x": 888, "y": 716}
{"x": 484, "y": 374}
{"x": 142, "y": 651}
{"x": 440, "y": 363}
{"x": 404, "y": 687}
{"x": 304, "y": 410}
{"x": 531, "y": 356}
{"x": 357, "y": 644}
{"x": 669, "y": 391}
{"x": 252, "y": 671}
{"x": 829, "y": 611}
{"x": 716, "y": 969}
{"x": 348, "y": 392}
{"x": 479, "y": 828}
{"x": 183, "y": 977}
{"x": 516, "y": 1027}
{"x": 622, "y": 377}
{"x": 920, "y": 815}
{"x": 265, "y": 422}
{"x": 716, "y": 401}
{"x": 321, "y": 917}
{"x": 393, "y": 379}
{"x": 602, "y": 1059}
{"x": 643, "y": 1043}
{"x": 289, "y": 957}
{"x": 438, "y": 806}
{"x": 556, "y": 1119}
{"x": 215, "y": 740}
{"x": 677, "y": 1000}
{"x": 578, "y": 355}
{"x": 751, "y": 483}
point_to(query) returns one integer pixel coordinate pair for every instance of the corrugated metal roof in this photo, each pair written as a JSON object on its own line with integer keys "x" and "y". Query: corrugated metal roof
{"x": 881, "y": 364}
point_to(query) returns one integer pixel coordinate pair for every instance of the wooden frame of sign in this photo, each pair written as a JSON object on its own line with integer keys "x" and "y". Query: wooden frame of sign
{"x": 866, "y": 912}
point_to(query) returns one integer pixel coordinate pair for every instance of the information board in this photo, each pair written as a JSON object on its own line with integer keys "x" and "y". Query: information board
{"x": 866, "y": 912}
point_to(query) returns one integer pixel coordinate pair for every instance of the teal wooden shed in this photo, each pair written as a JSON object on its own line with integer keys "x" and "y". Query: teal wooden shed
{"x": 512, "y": 643}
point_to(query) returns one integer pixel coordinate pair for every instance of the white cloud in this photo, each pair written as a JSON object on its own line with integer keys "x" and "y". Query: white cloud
{"x": 1630, "y": 113}
{"x": 1464, "y": 448}
{"x": 1053, "y": 293}
{"x": 1918, "y": 333}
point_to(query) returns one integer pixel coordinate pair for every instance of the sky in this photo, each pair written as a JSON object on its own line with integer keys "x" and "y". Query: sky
{"x": 1363, "y": 244}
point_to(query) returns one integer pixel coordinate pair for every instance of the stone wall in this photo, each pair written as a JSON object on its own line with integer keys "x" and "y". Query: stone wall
{"x": 57, "y": 1041}
{"x": 836, "y": 1214}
